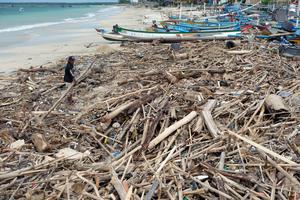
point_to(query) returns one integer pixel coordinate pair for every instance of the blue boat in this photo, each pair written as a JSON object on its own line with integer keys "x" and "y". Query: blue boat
{"x": 200, "y": 26}
{"x": 191, "y": 28}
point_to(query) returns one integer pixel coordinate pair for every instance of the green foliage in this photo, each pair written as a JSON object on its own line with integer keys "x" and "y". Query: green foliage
{"x": 265, "y": 2}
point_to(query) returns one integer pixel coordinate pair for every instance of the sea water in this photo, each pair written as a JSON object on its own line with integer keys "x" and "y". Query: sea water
{"x": 21, "y": 24}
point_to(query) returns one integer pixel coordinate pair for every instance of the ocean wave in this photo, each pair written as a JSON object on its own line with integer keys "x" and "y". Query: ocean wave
{"x": 90, "y": 15}
{"x": 86, "y": 17}
{"x": 27, "y": 27}
{"x": 109, "y": 9}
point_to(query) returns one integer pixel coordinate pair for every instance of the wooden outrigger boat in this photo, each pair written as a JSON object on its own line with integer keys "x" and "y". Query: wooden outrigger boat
{"x": 176, "y": 36}
{"x": 111, "y": 36}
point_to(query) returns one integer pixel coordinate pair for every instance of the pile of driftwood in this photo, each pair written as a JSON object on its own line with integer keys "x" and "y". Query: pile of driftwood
{"x": 148, "y": 122}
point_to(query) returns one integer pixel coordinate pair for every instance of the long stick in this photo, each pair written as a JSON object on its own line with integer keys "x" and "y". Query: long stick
{"x": 285, "y": 173}
{"x": 172, "y": 128}
{"x": 161, "y": 136}
{"x": 90, "y": 183}
{"x": 166, "y": 160}
{"x": 264, "y": 149}
{"x": 208, "y": 119}
{"x": 157, "y": 173}
{"x": 204, "y": 185}
{"x": 118, "y": 185}
{"x": 111, "y": 99}
{"x": 252, "y": 117}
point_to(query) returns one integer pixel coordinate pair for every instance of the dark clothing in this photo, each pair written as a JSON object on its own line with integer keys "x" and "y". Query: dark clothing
{"x": 154, "y": 26}
{"x": 69, "y": 78}
{"x": 115, "y": 29}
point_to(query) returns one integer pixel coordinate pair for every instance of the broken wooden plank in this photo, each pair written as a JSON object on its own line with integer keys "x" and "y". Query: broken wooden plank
{"x": 208, "y": 119}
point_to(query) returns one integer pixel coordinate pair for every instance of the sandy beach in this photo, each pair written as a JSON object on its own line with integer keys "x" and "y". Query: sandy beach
{"x": 81, "y": 41}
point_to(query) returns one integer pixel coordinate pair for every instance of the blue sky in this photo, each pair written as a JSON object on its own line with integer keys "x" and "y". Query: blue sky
{"x": 53, "y": 1}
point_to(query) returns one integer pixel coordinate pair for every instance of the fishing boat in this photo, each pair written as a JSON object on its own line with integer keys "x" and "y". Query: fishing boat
{"x": 290, "y": 51}
{"x": 111, "y": 36}
{"x": 203, "y": 23}
{"x": 176, "y": 35}
{"x": 194, "y": 28}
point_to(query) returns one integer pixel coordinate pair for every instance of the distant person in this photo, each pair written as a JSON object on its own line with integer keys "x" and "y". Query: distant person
{"x": 69, "y": 75}
{"x": 154, "y": 25}
{"x": 115, "y": 28}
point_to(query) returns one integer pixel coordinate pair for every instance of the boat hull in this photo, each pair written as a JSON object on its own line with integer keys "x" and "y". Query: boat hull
{"x": 114, "y": 37}
{"x": 174, "y": 36}
{"x": 290, "y": 51}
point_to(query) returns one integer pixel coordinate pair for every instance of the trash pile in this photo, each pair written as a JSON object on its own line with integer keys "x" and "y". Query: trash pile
{"x": 151, "y": 122}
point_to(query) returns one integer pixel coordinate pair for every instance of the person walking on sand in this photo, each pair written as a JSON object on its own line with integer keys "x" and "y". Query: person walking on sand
{"x": 69, "y": 75}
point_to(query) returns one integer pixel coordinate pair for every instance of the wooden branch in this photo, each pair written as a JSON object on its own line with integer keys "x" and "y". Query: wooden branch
{"x": 170, "y": 77}
{"x": 131, "y": 107}
{"x": 285, "y": 173}
{"x": 157, "y": 174}
{"x": 239, "y": 52}
{"x": 208, "y": 119}
{"x": 222, "y": 161}
{"x": 10, "y": 103}
{"x": 248, "y": 193}
{"x": 198, "y": 125}
{"x": 220, "y": 186}
{"x": 40, "y": 142}
{"x": 129, "y": 193}
{"x": 182, "y": 56}
{"x": 90, "y": 183}
{"x": 151, "y": 130}
{"x": 191, "y": 192}
{"x": 52, "y": 88}
{"x": 40, "y": 69}
{"x": 118, "y": 185}
{"x": 166, "y": 160}
{"x": 27, "y": 170}
{"x": 206, "y": 186}
{"x": 234, "y": 176}
{"x": 101, "y": 102}
{"x": 294, "y": 147}
{"x": 172, "y": 128}
{"x": 209, "y": 70}
{"x": 262, "y": 148}
{"x": 261, "y": 103}
{"x": 106, "y": 120}
{"x": 146, "y": 127}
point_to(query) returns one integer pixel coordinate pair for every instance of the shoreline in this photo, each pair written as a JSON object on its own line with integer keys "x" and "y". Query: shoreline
{"x": 47, "y": 53}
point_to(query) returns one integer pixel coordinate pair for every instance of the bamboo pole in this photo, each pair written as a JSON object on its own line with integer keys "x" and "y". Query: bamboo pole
{"x": 262, "y": 148}
{"x": 172, "y": 128}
